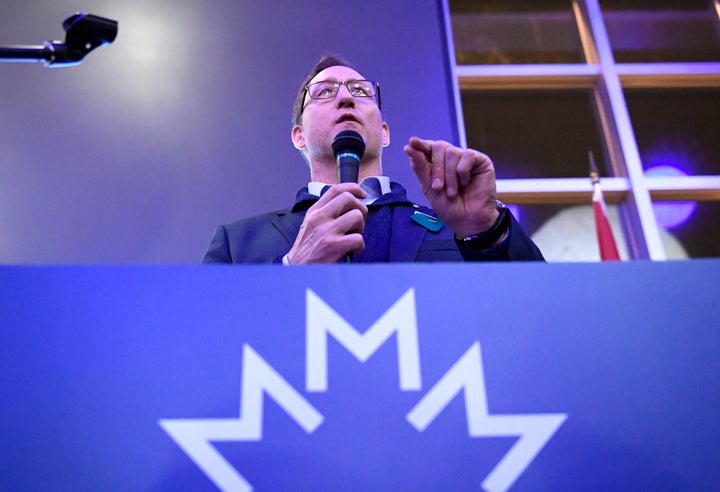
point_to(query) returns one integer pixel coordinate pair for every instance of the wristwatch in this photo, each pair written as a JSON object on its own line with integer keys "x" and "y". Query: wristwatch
{"x": 488, "y": 238}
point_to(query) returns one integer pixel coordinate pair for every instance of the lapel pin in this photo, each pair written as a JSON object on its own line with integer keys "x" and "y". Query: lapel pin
{"x": 429, "y": 222}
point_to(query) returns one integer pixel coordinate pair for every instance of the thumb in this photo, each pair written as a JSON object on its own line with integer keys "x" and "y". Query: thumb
{"x": 420, "y": 153}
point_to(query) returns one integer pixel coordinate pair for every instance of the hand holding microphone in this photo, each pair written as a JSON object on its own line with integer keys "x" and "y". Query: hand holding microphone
{"x": 348, "y": 147}
{"x": 333, "y": 226}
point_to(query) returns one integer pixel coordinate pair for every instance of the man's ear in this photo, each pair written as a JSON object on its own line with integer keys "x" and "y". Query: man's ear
{"x": 297, "y": 137}
{"x": 386, "y": 134}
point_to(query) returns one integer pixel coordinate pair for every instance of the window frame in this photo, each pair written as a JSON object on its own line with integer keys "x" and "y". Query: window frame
{"x": 630, "y": 188}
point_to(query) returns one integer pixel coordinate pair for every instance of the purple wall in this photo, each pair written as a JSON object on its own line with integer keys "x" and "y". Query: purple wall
{"x": 183, "y": 123}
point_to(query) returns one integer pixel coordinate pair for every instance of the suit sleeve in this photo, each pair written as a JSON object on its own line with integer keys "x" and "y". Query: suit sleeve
{"x": 517, "y": 246}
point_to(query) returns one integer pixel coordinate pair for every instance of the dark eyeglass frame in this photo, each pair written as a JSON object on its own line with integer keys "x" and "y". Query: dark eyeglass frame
{"x": 375, "y": 84}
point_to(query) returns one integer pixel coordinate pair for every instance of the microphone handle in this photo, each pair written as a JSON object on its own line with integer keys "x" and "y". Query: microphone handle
{"x": 348, "y": 165}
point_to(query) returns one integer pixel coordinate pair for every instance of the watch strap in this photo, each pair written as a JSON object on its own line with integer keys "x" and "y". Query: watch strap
{"x": 486, "y": 239}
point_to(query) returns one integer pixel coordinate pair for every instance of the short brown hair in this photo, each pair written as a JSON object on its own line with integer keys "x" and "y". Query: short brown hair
{"x": 326, "y": 61}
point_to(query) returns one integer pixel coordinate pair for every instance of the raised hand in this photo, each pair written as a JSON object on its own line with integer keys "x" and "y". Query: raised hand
{"x": 458, "y": 183}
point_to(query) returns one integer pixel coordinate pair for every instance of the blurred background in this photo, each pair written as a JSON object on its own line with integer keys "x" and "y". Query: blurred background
{"x": 183, "y": 123}
{"x": 637, "y": 83}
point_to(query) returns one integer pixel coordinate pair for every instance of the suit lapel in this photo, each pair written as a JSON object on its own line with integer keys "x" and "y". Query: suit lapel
{"x": 289, "y": 224}
{"x": 406, "y": 235}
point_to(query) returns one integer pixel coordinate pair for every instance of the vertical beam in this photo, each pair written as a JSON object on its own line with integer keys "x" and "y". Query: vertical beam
{"x": 637, "y": 214}
{"x": 454, "y": 79}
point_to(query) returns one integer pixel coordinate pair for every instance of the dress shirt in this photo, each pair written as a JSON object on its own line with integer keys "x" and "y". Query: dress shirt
{"x": 368, "y": 184}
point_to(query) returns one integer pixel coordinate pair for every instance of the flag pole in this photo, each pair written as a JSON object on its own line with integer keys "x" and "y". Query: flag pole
{"x": 606, "y": 239}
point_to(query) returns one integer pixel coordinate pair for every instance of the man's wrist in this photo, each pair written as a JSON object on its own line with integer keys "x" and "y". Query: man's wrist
{"x": 492, "y": 236}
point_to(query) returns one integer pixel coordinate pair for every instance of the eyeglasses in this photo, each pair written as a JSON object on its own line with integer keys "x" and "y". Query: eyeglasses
{"x": 328, "y": 89}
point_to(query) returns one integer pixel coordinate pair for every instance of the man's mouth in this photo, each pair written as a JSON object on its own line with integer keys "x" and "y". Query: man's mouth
{"x": 347, "y": 117}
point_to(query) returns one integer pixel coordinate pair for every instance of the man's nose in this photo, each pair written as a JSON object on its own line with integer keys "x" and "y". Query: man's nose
{"x": 344, "y": 97}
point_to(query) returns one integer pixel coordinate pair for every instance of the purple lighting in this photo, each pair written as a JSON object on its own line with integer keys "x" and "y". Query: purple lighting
{"x": 670, "y": 214}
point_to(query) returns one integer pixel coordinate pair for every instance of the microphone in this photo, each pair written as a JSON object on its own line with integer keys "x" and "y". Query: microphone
{"x": 348, "y": 147}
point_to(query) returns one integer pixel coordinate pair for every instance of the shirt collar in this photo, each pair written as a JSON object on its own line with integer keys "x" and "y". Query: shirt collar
{"x": 316, "y": 187}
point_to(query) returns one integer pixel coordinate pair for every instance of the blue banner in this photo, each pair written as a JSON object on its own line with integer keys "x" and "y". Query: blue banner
{"x": 527, "y": 377}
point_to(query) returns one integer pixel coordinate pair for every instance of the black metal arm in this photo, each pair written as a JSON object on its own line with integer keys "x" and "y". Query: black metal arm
{"x": 84, "y": 33}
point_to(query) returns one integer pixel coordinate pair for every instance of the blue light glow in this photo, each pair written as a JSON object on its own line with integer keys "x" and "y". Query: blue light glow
{"x": 670, "y": 214}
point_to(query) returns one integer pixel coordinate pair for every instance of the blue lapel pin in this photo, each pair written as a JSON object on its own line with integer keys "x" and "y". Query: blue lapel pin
{"x": 432, "y": 224}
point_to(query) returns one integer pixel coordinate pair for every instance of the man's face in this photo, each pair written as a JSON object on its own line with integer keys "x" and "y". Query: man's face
{"x": 322, "y": 119}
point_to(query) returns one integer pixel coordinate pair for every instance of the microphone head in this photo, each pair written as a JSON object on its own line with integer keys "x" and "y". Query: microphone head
{"x": 348, "y": 141}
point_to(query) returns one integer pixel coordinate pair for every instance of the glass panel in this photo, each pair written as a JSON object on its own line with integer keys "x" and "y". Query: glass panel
{"x": 662, "y": 31}
{"x": 691, "y": 227}
{"x": 678, "y": 128}
{"x": 501, "y": 32}
{"x": 567, "y": 233}
{"x": 535, "y": 133}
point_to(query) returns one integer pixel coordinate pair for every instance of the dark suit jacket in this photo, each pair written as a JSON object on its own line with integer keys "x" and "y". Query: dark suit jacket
{"x": 267, "y": 238}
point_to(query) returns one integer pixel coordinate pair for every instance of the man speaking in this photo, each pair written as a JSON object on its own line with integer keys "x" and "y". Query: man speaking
{"x": 370, "y": 218}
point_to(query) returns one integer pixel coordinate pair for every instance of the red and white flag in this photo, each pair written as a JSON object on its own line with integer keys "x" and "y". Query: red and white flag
{"x": 606, "y": 240}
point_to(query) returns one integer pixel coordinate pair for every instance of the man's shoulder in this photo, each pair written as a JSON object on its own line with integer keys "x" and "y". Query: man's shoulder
{"x": 259, "y": 238}
{"x": 256, "y": 220}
